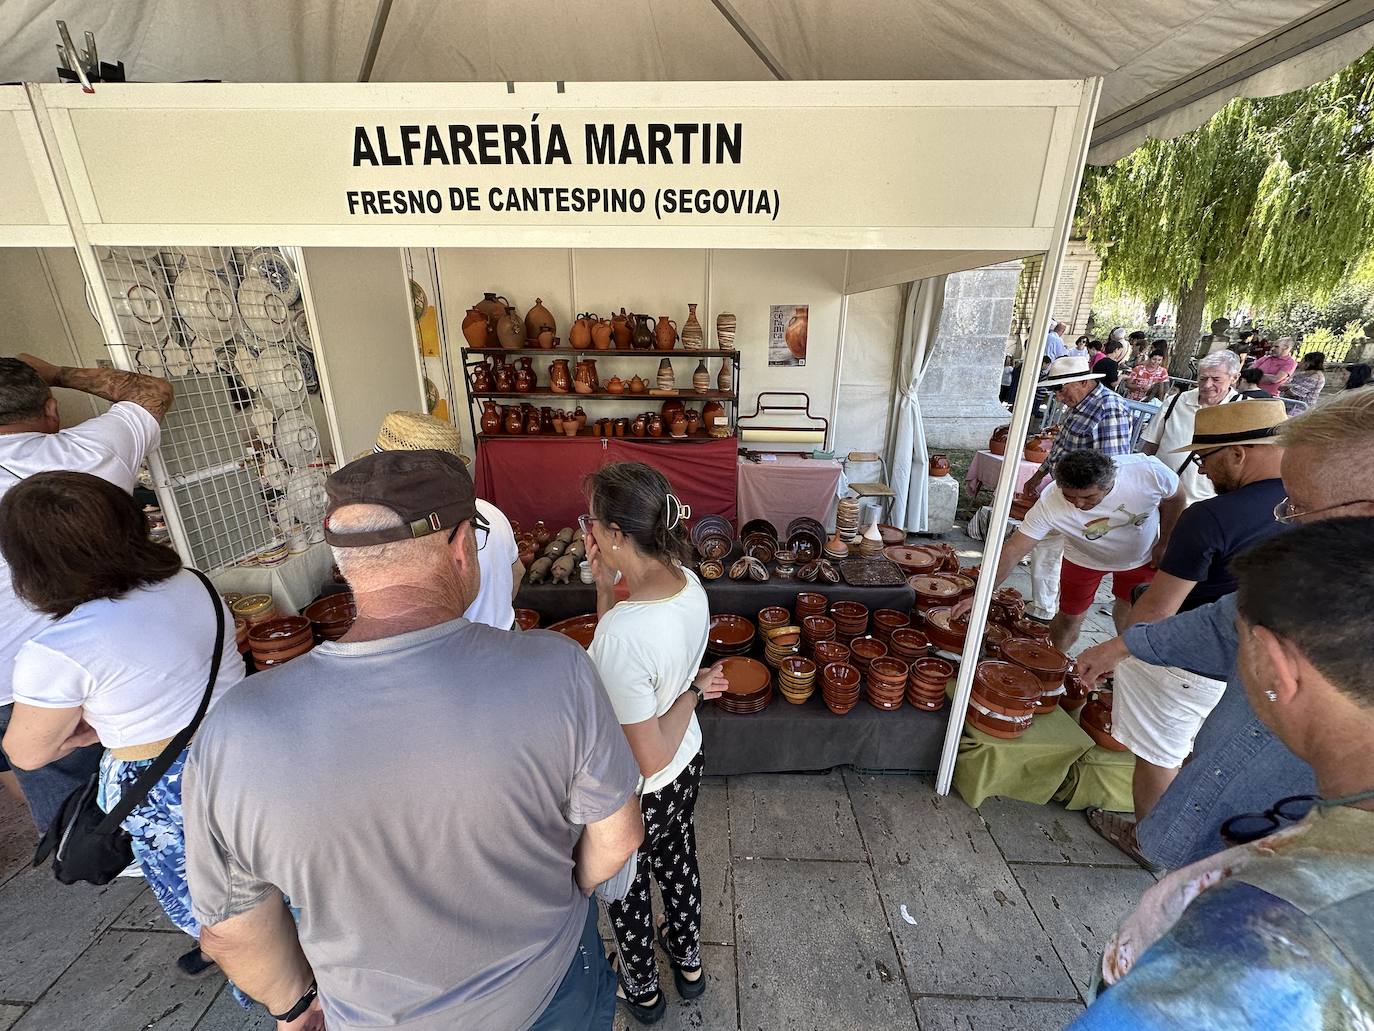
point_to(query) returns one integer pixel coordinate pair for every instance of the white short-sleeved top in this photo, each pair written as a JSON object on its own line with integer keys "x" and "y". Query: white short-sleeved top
{"x": 496, "y": 562}
{"x": 111, "y": 446}
{"x": 648, "y": 653}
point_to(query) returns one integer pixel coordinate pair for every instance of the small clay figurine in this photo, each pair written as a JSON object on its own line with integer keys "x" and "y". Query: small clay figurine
{"x": 555, "y": 548}
{"x": 539, "y": 572}
{"x": 563, "y": 569}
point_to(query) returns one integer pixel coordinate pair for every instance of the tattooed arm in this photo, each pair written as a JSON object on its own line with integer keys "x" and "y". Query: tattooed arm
{"x": 148, "y": 392}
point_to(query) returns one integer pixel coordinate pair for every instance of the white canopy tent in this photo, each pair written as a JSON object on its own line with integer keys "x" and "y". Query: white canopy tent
{"x": 1166, "y": 65}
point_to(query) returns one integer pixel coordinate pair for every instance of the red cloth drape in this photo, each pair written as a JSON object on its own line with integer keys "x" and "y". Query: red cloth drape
{"x": 534, "y": 478}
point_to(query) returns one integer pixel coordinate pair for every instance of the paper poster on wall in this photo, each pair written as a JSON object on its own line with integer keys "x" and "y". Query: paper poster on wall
{"x": 787, "y": 334}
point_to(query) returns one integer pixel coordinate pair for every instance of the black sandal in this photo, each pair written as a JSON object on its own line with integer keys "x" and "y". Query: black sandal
{"x": 650, "y": 1013}
{"x": 195, "y": 964}
{"x": 685, "y": 989}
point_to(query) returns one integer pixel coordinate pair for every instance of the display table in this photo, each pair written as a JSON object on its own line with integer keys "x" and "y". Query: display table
{"x": 1031, "y": 767}
{"x": 788, "y": 487}
{"x": 532, "y": 478}
{"x": 1101, "y": 778}
{"x": 985, "y": 469}
{"x": 293, "y": 585}
{"x": 554, "y": 602}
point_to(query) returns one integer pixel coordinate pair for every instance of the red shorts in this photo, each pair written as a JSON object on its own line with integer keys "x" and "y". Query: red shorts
{"x": 1078, "y": 585}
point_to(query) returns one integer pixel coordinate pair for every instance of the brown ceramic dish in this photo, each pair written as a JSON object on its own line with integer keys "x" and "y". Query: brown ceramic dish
{"x": 912, "y": 561}
{"x": 908, "y": 643}
{"x": 773, "y": 616}
{"x": 993, "y": 639}
{"x": 1044, "y": 662}
{"x": 1005, "y": 688}
{"x": 887, "y": 620}
{"x": 865, "y": 649}
{"x": 946, "y": 633}
{"x": 729, "y": 635}
{"x": 1031, "y": 628}
{"x": 580, "y": 628}
{"x": 827, "y": 652}
{"x": 933, "y": 591}
{"x": 817, "y": 628}
{"x": 809, "y": 603}
{"x": 527, "y": 619}
{"x": 992, "y": 724}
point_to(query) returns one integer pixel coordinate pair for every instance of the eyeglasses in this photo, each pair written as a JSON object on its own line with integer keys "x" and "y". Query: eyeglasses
{"x": 1198, "y": 457}
{"x": 480, "y": 530}
{"x": 1284, "y": 511}
{"x": 584, "y": 523}
{"x": 1248, "y": 827}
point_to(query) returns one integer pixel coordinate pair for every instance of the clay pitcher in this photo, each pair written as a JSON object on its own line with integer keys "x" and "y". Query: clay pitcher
{"x": 621, "y": 330}
{"x": 481, "y": 378}
{"x": 655, "y": 425}
{"x": 678, "y": 426}
{"x": 547, "y": 340}
{"x": 665, "y": 333}
{"x": 601, "y": 335}
{"x": 546, "y": 420}
{"x": 693, "y": 420}
{"x": 503, "y": 376}
{"x": 524, "y": 375}
{"x": 515, "y": 421}
{"x": 584, "y": 376}
{"x": 939, "y": 465}
{"x": 493, "y": 306}
{"x": 581, "y": 417}
{"x": 491, "y": 418}
{"x": 711, "y": 413}
{"x": 476, "y": 328}
{"x": 795, "y": 333}
{"x": 532, "y": 423}
{"x": 640, "y": 426}
{"x": 538, "y": 319}
{"x": 644, "y": 332}
{"x": 580, "y": 336}
{"x": 560, "y": 376}
{"x": 510, "y": 330}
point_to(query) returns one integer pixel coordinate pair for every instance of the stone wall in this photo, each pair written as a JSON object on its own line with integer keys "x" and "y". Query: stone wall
{"x": 959, "y": 395}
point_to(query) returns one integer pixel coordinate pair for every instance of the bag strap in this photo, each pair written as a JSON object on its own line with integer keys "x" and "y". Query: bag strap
{"x": 138, "y": 790}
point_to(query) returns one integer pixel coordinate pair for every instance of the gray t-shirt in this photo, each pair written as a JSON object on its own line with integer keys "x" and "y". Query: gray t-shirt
{"x": 418, "y": 798}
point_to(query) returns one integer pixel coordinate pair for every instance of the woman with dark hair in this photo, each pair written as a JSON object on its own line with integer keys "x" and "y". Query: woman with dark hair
{"x": 1359, "y": 377}
{"x": 1151, "y": 378}
{"x": 123, "y": 662}
{"x": 648, "y": 650}
{"x": 1307, "y": 380}
{"x": 1249, "y": 385}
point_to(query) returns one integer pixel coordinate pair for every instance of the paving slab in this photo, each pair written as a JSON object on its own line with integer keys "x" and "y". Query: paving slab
{"x": 991, "y": 1015}
{"x": 1080, "y": 908}
{"x": 1029, "y": 833}
{"x": 714, "y": 1011}
{"x": 8, "y": 1015}
{"x": 814, "y": 950}
{"x": 793, "y": 816}
{"x": 17, "y": 836}
{"x": 47, "y": 925}
{"x": 225, "y": 1014}
{"x": 713, "y": 861}
{"x": 970, "y": 930}
{"x": 144, "y": 914}
{"x": 127, "y": 979}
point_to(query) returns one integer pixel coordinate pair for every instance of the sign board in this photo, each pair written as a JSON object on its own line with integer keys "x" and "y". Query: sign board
{"x": 838, "y": 165}
{"x": 31, "y": 214}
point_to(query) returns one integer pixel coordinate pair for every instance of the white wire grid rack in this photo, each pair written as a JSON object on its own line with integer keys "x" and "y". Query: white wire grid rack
{"x": 240, "y": 449}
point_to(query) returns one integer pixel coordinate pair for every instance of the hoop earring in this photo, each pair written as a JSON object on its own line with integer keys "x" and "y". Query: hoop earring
{"x": 1273, "y": 696}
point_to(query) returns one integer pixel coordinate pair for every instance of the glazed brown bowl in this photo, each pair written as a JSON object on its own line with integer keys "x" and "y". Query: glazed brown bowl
{"x": 944, "y": 632}
{"x": 729, "y": 634}
{"x": 1032, "y": 628}
{"x": 818, "y": 628}
{"x": 889, "y": 671}
{"x": 840, "y": 677}
{"x": 850, "y": 613}
{"x": 773, "y": 616}
{"x": 527, "y": 619}
{"x": 885, "y": 621}
{"x": 809, "y": 603}
{"x": 827, "y": 652}
{"x": 908, "y": 643}
{"x": 932, "y": 672}
{"x": 864, "y": 650}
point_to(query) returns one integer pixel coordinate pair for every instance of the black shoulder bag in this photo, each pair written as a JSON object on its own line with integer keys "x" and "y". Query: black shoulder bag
{"x": 89, "y": 845}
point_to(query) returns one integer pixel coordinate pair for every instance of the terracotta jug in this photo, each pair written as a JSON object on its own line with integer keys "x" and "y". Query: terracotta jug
{"x": 585, "y": 379}
{"x": 622, "y": 331}
{"x": 939, "y": 465}
{"x": 493, "y": 306}
{"x": 491, "y": 418}
{"x": 515, "y": 421}
{"x": 693, "y": 420}
{"x": 476, "y": 328}
{"x": 795, "y": 333}
{"x": 693, "y": 337}
{"x": 665, "y": 333}
{"x": 655, "y": 426}
{"x": 546, "y": 420}
{"x": 524, "y": 375}
{"x": 481, "y": 378}
{"x": 538, "y": 319}
{"x": 581, "y": 418}
{"x": 547, "y": 340}
{"x": 560, "y": 376}
{"x": 637, "y": 385}
{"x": 711, "y": 413}
{"x": 701, "y": 379}
{"x": 601, "y": 335}
{"x": 726, "y": 376}
{"x": 503, "y": 376}
{"x": 671, "y": 409}
{"x": 510, "y": 330}
{"x": 678, "y": 427}
{"x": 558, "y": 421}
{"x": 580, "y": 336}
{"x": 640, "y": 426}
{"x": 643, "y": 332}
{"x": 532, "y": 423}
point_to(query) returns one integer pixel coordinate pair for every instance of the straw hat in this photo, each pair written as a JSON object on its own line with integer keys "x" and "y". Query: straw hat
{"x": 415, "y": 431}
{"x": 1069, "y": 369}
{"x": 1240, "y": 422}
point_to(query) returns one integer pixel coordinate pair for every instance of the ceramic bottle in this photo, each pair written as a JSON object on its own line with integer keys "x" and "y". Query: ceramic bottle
{"x": 725, "y": 331}
{"x": 510, "y": 330}
{"x": 524, "y": 375}
{"x": 795, "y": 333}
{"x": 621, "y": 330}
{"x": 666, "y": 379}
{"x": 601, "y": 335}
{"x": 580, "y": 335}
{"x": 503, "y": 376}
{"x": 693, "y": 339}
{"x": 476, "y": 328}
{"x": 538, "y": 319}
{"x": 481, "y": 378}
{"x": 493, "y": 306}
{"x": 515, "y": 421}
{"x": 725, "y": 377}
{"x": 701, "y": 378}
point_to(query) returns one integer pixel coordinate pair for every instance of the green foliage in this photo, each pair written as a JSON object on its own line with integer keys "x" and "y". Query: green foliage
{"x": 1113, "y": 308}
{"x": 1297, "y": 315}
{"x": 1334, "y": 343}
{"x": 1271, "y": 196}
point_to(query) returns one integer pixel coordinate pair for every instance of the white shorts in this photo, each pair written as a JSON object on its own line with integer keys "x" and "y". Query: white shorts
{"x": 1158, "y": 710}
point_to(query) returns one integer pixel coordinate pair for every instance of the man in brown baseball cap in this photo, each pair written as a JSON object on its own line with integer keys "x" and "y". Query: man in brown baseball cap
{"x": 418, "y": 787}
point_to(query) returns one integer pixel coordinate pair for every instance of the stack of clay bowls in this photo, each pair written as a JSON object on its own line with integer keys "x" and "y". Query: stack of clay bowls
{"x": 806, "y": 537}
{"x": 331, "y": 616}
{"x": 1096, "y": 720}
{"x": 871, "y": 545}
{"x": 773, "y": 616}
{"x": 1004, "y": 699}
{"x": 826, "y": 652}
{"x": 945, "y": 632}
{"x": 840, "y": 687}
{"x": 729, "y": 635}
{"x": 927, "y": 681}
{"x": 887, "y": 682}
{"x": 759, "y": 538}
{"x": 275, "y": 641}
{"x": 712, "y": 536}
{"x": 781, "y": 643}
{"x": 847, "y": 519}
{"x": 1044, "y": 662}
{"x": 797, "y": 679}
{"x": 809, "y": 603}
{"x": 751, "y": 686}
{"x": 933, "y": 592}
{"x": 241, "y": 636}
{"x": 816, "y": 628}
{"x": 887, "y": 620}
{"x": 254, "y": 608}
{"x": 864, "y": 650}
{"x": 836, "y": 547}
{"x": 784, "y": 562}
{"x": 851, "y": 619}
{"x": 908, "y": 644}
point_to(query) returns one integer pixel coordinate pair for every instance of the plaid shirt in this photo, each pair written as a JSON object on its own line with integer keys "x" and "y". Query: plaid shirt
{"x": 1100, "y": 422}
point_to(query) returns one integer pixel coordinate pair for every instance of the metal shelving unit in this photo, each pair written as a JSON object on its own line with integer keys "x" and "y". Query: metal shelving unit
{"x": 475, "y": 356}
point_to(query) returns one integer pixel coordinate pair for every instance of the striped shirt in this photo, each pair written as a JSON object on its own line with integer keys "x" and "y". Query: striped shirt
{"x": 1100, "y": 422}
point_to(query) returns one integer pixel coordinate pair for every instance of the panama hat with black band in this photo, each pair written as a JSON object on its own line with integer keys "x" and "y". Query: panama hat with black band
{"x": 1069, "y": 369}
{"x": 1245, "y": 423}
{"x": 430, "y": 491}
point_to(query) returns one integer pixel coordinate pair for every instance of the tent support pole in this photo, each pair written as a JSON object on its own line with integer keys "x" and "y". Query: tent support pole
{"x": 1016, "y": 437}
{"x": 374, "y": 40}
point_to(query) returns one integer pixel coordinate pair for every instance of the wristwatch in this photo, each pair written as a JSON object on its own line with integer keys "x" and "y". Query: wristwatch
{"x": 697, "y": 691}
{"x": 302, "y": 1004}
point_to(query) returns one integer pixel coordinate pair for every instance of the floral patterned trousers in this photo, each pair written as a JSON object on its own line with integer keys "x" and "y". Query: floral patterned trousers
{"x": 669, "y": 855}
